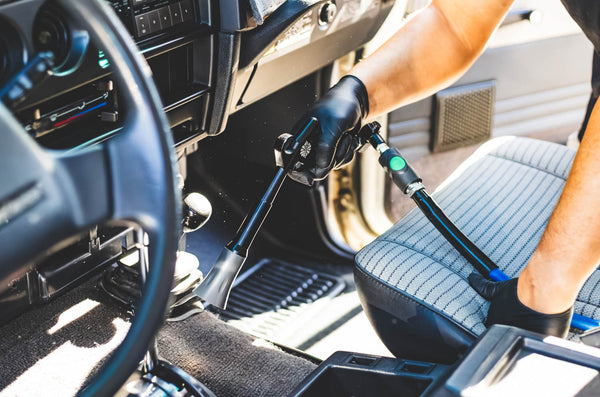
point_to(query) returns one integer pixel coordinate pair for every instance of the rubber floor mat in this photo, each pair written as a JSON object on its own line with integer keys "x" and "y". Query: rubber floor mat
{"x": 275, "y": 299}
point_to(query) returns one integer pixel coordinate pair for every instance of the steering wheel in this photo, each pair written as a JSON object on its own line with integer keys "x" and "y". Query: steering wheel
{"x": 47, "y": 196}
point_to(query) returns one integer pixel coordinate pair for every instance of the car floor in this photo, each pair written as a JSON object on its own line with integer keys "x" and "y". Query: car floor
{"x": 338, "y": 323}
{"x": 52, "y": 350}
{"x": 322, "y": 332}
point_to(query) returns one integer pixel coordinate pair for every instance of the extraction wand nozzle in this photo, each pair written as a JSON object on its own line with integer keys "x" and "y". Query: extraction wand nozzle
{"x": 215, "y": 288}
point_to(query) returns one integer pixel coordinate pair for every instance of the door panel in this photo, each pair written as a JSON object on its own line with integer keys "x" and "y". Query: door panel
{"x": 542, "y": 73}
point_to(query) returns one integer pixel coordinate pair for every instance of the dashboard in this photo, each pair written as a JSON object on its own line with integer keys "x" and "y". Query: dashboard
{"x": 209, "y": 59}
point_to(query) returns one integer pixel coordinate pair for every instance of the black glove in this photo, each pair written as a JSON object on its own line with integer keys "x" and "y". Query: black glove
{"x": 339, "y": 112}
{"x": 505, "y": 308}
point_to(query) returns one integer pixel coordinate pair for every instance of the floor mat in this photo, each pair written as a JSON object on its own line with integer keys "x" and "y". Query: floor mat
{"x": 231, "y": 363}
{"x": 51, "y": 350}
{"x": 70, "y": 335}
{"x": 275, "y": 299}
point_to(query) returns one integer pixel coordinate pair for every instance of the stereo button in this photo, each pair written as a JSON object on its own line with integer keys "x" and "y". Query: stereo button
{"x": 154, "y": 21}
{"x": 187, "y": 10}
{"x": 165, "y": 17}
{"x": 142, "y": 25}
{"x": 176, "y": 16}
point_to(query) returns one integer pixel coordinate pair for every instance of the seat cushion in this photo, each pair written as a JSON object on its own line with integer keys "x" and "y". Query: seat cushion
{"x": 501, "y": 198}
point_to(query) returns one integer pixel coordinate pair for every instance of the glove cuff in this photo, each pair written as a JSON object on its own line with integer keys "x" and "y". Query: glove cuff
{"x": 354, "y": 84}
{"x": 506, "y": 308}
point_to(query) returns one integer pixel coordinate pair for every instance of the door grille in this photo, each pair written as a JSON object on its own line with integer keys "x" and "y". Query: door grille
{"x": 463, "y": 116}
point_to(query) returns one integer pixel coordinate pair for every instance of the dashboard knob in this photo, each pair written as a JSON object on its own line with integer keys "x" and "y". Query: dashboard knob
{"x": 327, "y": 13}
{"x": 53, "y": 33}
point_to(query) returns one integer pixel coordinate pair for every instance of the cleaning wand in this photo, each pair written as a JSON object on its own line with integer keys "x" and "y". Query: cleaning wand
{"x": 291, "y": 153}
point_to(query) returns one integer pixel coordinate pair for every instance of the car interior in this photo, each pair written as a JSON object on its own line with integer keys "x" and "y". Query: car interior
{"x": 152, "y": 244}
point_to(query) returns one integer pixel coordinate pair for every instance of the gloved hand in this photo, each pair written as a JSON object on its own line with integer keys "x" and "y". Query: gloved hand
{"x": 505, "y": 308}
{"x": 339, "y": 112}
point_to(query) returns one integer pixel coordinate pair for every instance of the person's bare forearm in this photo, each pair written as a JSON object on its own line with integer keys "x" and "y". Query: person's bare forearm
{"x": 429, "y": 52}
{"x": 569, "y": 249}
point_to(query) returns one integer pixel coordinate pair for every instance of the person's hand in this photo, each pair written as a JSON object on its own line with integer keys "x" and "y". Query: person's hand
{"x": 340, "y": 113}
{"x": 506, "y": 308}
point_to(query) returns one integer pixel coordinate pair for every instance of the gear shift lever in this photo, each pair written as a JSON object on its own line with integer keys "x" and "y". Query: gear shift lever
{"x": 123, "y": 282}
{"x": 196, "y": 212}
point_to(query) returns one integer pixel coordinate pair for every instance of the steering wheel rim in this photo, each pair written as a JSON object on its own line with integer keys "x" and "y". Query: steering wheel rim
{"x": 60, "y": 194}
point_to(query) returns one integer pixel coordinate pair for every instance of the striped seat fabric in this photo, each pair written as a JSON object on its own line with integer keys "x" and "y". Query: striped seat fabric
{"x": 501, "y": 198}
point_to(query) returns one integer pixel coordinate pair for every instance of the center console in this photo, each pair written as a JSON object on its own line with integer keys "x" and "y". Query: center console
{"x": 506, "y": 361}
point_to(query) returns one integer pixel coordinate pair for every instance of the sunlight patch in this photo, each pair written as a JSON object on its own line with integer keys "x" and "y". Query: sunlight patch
{"x": 265, "y": 344}
{"x": 536, "y": 375}
{"x": 63, "y": 371}
{"x": 72, "y": 314}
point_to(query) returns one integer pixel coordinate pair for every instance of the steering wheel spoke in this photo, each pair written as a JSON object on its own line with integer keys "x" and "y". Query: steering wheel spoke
{"x": 84, "y": 177}
{"x": 118, "y": 180}
{"x": 59, "y": 194}
{"x": 35, "y": 210}
{"x": 137, "y": 179}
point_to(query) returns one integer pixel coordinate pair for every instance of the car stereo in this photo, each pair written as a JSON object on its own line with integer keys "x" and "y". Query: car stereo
{"x": 145, "y": 18}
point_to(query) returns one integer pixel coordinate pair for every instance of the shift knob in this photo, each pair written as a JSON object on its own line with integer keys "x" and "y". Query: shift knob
{"x": 196, "y": 212}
